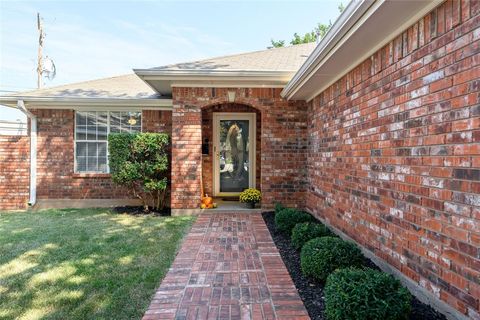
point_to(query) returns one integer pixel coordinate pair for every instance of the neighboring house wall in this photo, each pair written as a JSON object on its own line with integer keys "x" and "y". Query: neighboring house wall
{"x": 13, "y": 128}
{"x": 394, "y": 156}
{"x": 283, "y": 143}
{"x": 14, "y": 172}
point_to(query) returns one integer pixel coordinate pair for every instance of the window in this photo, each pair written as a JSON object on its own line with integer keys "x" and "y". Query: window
{"x": 91, "y": 131}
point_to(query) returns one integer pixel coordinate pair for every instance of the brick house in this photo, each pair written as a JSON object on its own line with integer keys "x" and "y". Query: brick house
{"x": 375, "y": 130}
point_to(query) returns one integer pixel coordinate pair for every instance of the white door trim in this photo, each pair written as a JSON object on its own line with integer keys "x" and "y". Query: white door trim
{"x": 252, "y": 153}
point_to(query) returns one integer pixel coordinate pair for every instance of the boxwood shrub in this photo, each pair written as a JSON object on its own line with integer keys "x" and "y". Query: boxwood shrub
{"x": 287, "y": 218}
{"x": 352, "y": 294}
{"x": 306, "y": 231}
{"x": 278, "y": 207}
{"x": 321, "y": 256}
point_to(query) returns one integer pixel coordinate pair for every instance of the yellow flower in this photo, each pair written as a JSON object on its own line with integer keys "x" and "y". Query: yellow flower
{"x": 250, "y": 195}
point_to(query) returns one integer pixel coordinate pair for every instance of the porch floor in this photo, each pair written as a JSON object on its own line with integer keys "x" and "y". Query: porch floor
{"x": 232, "y": 205}
{"x": 227, "y": 268}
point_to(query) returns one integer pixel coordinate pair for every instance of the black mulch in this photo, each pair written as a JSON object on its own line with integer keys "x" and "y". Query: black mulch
{"x": 311, "y": 292}
{"x": 138, "y": 210}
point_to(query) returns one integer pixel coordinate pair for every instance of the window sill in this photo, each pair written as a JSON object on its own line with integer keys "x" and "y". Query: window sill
{"x": 92, "y": 175}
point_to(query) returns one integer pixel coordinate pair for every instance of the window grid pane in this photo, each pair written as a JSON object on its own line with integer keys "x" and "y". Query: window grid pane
{"x": 125, "y": 121}
{"x": 91, "y": 131}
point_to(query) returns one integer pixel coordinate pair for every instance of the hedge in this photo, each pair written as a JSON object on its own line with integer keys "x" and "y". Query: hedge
{"x": 355, "y": 294}
{"x": 321, "y": 256}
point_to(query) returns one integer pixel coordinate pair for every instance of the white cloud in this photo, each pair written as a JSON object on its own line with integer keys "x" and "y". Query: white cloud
{"x": 82, "y": 52}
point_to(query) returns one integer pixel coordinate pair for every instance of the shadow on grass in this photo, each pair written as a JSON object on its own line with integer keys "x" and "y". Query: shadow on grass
{"x": 83, "y": 264}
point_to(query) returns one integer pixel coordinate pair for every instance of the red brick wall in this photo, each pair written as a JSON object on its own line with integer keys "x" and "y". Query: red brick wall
{"x": 394, "y": 156}
{"x": 55, "y": 157}
{"x": 207, "y": 133}
{"x": 14, "y": 172}
{"x": 283, "y": 143}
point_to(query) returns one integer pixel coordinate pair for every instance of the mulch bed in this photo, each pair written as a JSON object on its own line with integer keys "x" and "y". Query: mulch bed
{"x": 311, "y": 292}
{"x": 138, "y": 211}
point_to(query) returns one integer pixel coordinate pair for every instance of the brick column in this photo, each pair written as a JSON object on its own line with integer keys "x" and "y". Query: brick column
{"x": 186, "y": 156}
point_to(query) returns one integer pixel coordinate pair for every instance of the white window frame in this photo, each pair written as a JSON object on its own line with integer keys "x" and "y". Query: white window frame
{"x": 96, "y": 141}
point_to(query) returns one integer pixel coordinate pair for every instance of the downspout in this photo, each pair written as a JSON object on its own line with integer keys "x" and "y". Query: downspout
{"x": 33, "y": 152}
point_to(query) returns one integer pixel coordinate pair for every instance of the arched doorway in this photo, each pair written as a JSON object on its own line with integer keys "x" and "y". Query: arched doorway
{"x": 231, "y": 149}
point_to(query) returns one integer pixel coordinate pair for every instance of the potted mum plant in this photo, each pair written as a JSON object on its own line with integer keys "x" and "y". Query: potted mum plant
{"x": 250, "y": 197}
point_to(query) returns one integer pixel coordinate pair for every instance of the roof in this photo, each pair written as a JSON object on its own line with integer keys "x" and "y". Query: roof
{"x": 127, "y": 86}
{"x": 271, "y": 68}
{"x": 276, "y": 59}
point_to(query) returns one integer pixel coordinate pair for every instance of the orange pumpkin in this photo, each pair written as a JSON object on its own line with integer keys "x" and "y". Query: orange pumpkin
{"x": 207, "y": 200}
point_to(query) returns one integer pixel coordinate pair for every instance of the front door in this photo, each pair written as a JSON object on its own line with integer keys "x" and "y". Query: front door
{"x": 234, "y": 153}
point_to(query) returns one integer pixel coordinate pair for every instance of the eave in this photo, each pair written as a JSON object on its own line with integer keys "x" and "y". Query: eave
{"x": 163, "y": 80}
{"x": 362, "y": 29}
{"x": 82, "y": 103}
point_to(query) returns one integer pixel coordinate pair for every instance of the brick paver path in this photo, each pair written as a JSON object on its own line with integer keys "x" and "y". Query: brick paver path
{"x": 228, "y": 268}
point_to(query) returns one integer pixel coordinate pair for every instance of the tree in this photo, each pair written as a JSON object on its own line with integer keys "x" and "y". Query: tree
{"x": 306, "y": 38}
{"x": 320, "y": 31}
{"x": 139, "y": 162}
{"x": 278, "y": 44}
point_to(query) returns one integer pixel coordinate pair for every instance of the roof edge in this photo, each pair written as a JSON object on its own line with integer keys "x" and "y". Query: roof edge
{"x": 163, "y": 81}
{"x": 211, "y": 72}
{"x": 355, "y": 15}
{"x": 32, "y": 101}
{"x": 352, "y": 13}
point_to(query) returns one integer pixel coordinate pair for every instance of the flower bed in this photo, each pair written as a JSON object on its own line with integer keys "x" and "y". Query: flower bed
{"x": 312, "y": 292}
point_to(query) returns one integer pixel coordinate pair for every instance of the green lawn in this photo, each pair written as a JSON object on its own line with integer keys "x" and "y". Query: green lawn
{"x": 83, "y": 264}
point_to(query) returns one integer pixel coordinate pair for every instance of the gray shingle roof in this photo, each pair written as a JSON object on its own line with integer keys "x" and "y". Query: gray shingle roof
{"x": 128, "y": 86}
{"x": 277, "y": 59}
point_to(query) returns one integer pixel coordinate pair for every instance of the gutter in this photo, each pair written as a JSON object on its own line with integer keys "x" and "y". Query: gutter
{"x": 354, "y": 11}
{"x": 163, "y": 80}
{"x": 33, "y": 152}
{"x": 211, "y": 72}
{"x": 212, "y": 75}
{"x": 76, "y": 102}
{"x": 361, "y": 30}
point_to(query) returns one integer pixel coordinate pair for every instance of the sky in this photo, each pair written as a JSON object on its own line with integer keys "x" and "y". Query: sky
{"x": 95, "y": 39}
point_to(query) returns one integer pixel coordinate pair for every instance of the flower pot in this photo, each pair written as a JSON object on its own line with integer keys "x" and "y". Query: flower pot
{"x": 250, "y": 205}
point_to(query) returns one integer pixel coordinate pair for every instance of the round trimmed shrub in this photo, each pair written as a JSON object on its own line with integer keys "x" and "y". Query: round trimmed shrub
{"x": 278, "y": 207}
{"x": 287, "y": 218}
{"x": 304, "y": 232}
{"x": 365, "y": 294}
{"x": 321, "y": 256}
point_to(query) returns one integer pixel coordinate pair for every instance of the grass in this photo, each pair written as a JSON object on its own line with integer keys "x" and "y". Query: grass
{"x": 83, "y": 263}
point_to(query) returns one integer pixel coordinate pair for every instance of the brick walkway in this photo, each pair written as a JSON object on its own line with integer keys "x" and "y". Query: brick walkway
{"x": 228, "y": 268}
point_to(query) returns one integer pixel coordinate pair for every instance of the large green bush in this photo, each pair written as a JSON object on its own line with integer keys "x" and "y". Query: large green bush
{"x": 306, "y": 231}
{"x": 321, "y": 256}
{"x": 139, "y": 162}
{"x": 355, "y": 294}
{"x": 287, "y": 218}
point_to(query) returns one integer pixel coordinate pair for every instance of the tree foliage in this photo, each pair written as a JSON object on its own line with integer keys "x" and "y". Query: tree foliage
{"x": 319, "y": 31}
{"x": 139, "y": 162}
